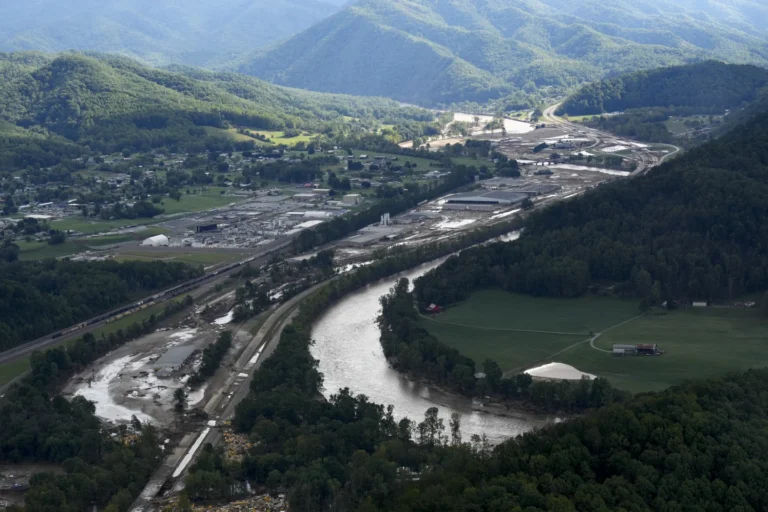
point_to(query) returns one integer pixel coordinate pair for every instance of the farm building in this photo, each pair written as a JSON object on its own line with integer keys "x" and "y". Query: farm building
{"x": 637, "y": 350}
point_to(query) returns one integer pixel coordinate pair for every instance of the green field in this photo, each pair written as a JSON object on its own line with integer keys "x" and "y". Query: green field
{"x": 210, "y": 198}
{"x": 90, "y": 226}
{"x": 43, "y": 250}
{"x": 192, "y": 257}
{"x": 698, "y": 342}
{"x": 230, "y": 134}
{"x": 519, "y": 331}
{"x": 278, "y": 137}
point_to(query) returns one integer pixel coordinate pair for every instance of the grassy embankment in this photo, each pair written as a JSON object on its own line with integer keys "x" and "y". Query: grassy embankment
{"x": 205, "y": 259}
{"x": 698, "y": 343}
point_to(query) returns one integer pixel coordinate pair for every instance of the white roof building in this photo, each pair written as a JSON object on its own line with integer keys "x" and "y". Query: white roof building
{"x": 157, "y": 241}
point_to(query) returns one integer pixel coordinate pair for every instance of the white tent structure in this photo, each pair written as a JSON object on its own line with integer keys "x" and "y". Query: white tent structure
{"x": 157, "y": 241}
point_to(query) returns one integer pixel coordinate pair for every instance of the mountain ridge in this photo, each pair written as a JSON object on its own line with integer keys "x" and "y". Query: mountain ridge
{"x": 194, "y": 32}
{"x": 453, "y": 50}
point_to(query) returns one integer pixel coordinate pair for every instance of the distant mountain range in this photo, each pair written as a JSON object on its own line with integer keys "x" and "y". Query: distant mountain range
{"x": 194, "y": 32}
{"x": 440, "y": 51}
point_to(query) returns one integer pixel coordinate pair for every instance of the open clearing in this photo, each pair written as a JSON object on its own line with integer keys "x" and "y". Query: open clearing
{"x": 192, "y": 257}
{"x": 210, "y": 198}
{"x": 698, "y": 343}
{"x": 519, "y": 331}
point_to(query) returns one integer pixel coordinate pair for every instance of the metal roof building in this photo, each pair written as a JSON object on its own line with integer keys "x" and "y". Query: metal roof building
{"x": 488, "y": 198}
{"x": 174, "y": 357}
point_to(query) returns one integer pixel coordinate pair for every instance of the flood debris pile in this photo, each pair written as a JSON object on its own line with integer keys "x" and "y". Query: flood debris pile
{"x": 261, "y": 503}
{"x": 236, "y": 446}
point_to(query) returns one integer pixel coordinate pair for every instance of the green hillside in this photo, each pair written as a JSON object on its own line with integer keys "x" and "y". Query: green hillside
{"x": 112, "y": 103}
{"x": 703, "y": 85}
{"x": 195, "y": 32}
{"x": 430, "y": 52}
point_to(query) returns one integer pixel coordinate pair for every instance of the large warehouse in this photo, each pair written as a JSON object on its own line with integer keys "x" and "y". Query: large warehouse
{"x": 494, "y": 198}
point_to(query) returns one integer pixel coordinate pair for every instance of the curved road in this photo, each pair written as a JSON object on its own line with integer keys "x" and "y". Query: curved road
{"x": 646, "y": 160}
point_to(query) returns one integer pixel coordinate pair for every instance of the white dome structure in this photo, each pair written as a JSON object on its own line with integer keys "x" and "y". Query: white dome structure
{"x": 157, "y": 241}
{"x": 558, "y": 371}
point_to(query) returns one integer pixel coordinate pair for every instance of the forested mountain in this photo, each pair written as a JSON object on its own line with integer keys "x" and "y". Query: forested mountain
{"x": 440, "y": 51}
{"x": 703, "y": 85}
{"x": 690, "y": 229}
{"x": 195, "y": 32}
{"x": 113, "y": 103}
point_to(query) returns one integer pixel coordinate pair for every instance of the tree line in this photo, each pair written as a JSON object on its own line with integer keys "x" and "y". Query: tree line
{"x": 40, "y": 297}
{"x": 704, "y": 85}
{"x": 341, "y": 226}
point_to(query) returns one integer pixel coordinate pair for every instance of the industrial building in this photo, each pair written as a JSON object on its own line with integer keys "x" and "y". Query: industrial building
{"x": 352, "y": 199}
{"x": 373, "y": 234}
{"x": 494, "y": 198}
{"x": 173, "y": 359}
{"x": 202, "y": 228}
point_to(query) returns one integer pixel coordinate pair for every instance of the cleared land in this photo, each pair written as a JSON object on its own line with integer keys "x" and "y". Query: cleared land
{"x": 211, "y": 198}
{"x": 519, "y": 331}
{"x": 698, "y": 343}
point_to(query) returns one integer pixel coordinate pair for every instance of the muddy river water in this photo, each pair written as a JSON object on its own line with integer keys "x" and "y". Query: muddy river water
{"x": 347, "y": 346}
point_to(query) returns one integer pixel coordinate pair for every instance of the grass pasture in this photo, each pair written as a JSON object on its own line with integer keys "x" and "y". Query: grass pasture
{"x": 192, "y": 257}
{"x": 205, "y": 200}
{"x": 698, "y": 342}
{"x": 519, "y": 331}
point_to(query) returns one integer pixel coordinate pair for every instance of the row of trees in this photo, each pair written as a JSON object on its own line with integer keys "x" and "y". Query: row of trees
{"x": 213, "y": 354}
{"x": 397, "y": 203}
{"x": 40, "y": 297}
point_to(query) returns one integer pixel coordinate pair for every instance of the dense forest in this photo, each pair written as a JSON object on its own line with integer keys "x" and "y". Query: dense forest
{"x": 441, "y": 52}
{"x": 40, "y": 297}
{"x": 51, "y": 106}
{"x": 689, "y": 229}
{"x": 694, "y": 447}
{"x": 705, "y": 88}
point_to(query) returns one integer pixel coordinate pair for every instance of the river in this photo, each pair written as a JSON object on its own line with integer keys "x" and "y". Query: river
{"x": 347, "y": 346}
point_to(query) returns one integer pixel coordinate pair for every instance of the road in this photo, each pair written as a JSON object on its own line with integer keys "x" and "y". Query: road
{"x": 645, "y": 159}
{"x": 221, "y": 406}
